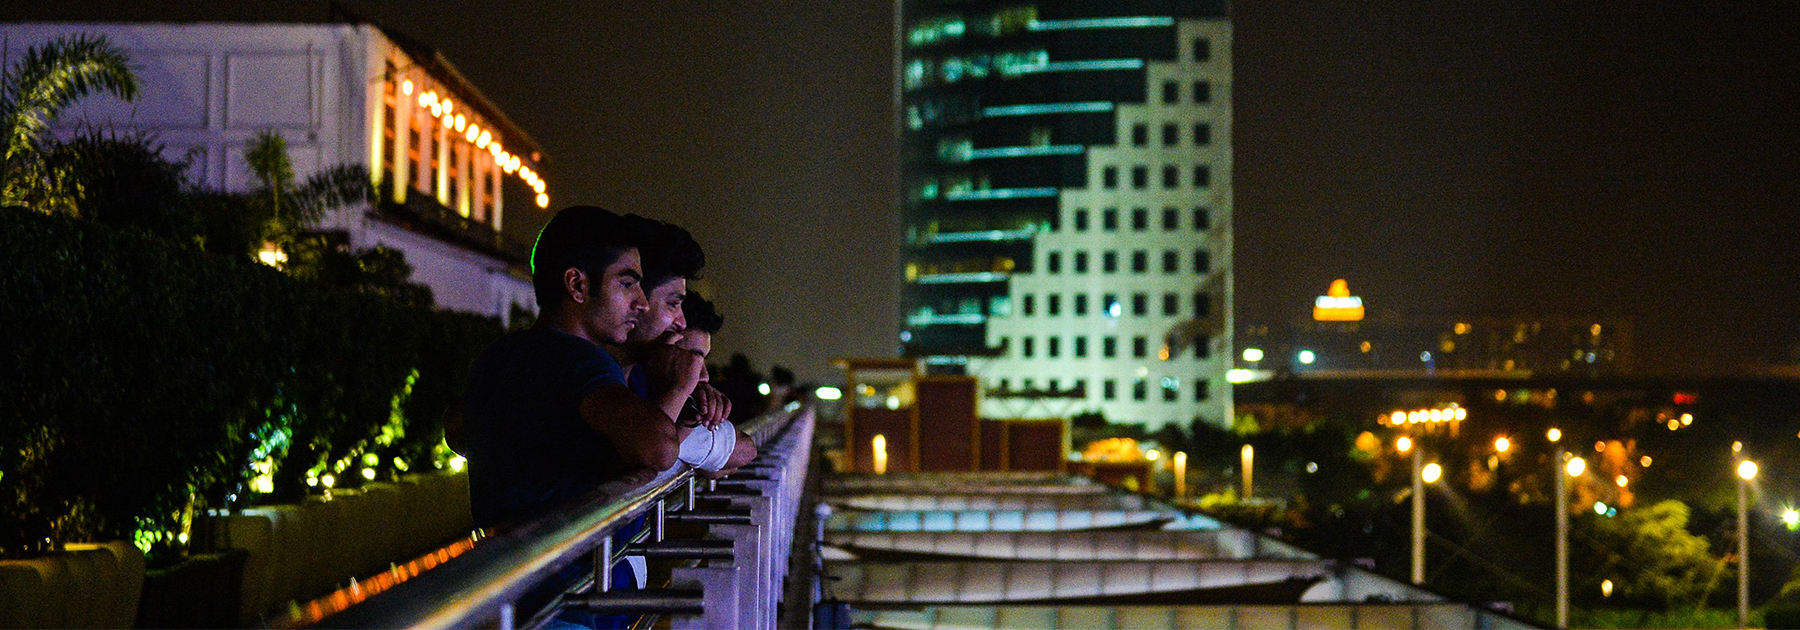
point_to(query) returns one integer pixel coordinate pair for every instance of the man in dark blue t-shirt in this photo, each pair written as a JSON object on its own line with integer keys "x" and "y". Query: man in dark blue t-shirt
{"x": 547, "y": 416}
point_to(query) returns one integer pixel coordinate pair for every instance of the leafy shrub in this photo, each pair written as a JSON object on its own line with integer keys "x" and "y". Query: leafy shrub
{"x": 143, "y": 380}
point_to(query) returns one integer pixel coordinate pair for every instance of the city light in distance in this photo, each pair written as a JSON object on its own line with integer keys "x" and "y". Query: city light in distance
{"x": 1791, "y": 518}
{"x": 1253, "y": 354}
{"x": 828, "y": 393}
{"x": 1622, "y": 480}
{"x": 1687, "y": 419}
{"x": 1502, "y": 444}
{"x": 1746, "y": 470}
{"x": 1737, "y": 447}
{"x": 1645, "y": 461}
{"x": 1307, "y": 357}
{"x": 1431, "y": 473}
{"x": 763, "y": 388}
{"x": 1606, "y": 588}
{"x": 1404, "y": 444}
{"x": 1554, "y": 434}
{"x": 1600, "y": 508}
{"x": 1576, "y": 466}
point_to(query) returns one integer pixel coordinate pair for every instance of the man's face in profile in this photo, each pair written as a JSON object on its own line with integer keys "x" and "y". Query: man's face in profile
{"x": 664, "y": 314}
{"x": 617, "y": 303}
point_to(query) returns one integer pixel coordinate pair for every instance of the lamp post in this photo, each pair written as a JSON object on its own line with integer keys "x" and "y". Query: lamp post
{"x": 1405, "y": 445}
{"x": 1180, "y": 474}
{"x": 1746, "y": 471}
{"x": 1561, "y": 507}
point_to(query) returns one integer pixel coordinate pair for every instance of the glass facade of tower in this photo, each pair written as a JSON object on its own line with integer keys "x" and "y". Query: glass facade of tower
{"x": 1066, "y": 199}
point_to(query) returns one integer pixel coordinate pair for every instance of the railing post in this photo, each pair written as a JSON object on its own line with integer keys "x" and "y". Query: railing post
{"x": 661, "y": 510}
{"x": 603, "y": 565}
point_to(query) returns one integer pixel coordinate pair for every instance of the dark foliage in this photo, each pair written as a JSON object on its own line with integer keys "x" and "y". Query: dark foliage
{"x": 141, "y": 377}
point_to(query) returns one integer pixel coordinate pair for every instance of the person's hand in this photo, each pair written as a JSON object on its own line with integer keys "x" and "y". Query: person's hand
{"x": 672, "y": 369}
{"x": 714, "y": 406}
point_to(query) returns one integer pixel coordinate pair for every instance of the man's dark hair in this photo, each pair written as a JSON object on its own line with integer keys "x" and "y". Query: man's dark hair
{"x": 587, "y": 238}
{"x": 669, "y": 252}
{"x": 700, "y": 313}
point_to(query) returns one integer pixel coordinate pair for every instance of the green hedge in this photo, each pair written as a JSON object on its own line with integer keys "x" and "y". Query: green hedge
{"x": 142, "y": 381}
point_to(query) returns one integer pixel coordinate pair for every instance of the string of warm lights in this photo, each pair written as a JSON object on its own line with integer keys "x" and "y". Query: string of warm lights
{"x": 444, "y": 109}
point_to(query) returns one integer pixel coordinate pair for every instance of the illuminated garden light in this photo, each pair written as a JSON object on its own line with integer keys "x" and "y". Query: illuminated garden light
{"x": 1791, "y": 518}
{"x": 1554, "y": 434}
{"x": 1687, "y": 419}
{"x": 328, "y": 480}
{"x": 1674, "y": 424}
{"x": 368, "y": 473}
{"x": 1600, "y": 508}
{"x": 763, "y": 388}
{"x": 457, "y": 463}
{"x": 1502, "y": 444}
{"x": 1606, "y": 588}
{"x": 1746, "y": 470}
{"x": 1307, "y": 357}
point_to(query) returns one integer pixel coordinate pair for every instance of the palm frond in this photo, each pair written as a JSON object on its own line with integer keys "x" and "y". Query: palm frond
{"x": 335, "y": 187}
{"x": 33, "y": 94}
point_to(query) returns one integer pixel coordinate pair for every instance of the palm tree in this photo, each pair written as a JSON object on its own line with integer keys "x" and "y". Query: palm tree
{"x": 33, "y": 92}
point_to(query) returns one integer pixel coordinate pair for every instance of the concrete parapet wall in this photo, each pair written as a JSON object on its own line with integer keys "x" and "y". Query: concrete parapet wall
{"x": 84, "y": 586}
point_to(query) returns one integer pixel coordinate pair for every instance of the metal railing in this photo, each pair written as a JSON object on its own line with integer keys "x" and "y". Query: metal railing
{"x": 733, "y": 578}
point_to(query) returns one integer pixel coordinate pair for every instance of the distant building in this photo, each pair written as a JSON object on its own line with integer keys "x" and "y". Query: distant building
{"x": 447, "y": 162}
{"x": 1333, "y": 342}
{"x": 1066, "y": 178}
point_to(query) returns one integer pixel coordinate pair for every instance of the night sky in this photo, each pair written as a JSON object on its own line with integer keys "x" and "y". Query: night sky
{"x": 1562, "y": 158}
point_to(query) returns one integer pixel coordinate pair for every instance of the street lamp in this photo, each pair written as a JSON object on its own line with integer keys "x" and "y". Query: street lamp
{"x": 1405, "y": 445}
{"x": 1746, "y": 471}
{"x": 1502, "y": 445}
{"x": 1573, "y": 467}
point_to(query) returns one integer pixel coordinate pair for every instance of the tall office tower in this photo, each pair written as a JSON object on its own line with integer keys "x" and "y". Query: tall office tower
{"x": 1066, "y": 182}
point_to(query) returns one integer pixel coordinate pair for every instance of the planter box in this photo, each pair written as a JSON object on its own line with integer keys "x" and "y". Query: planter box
{"x": 297, "y": 552}
{"x": 84, "y": 586}
{"x": 202, "y": 591}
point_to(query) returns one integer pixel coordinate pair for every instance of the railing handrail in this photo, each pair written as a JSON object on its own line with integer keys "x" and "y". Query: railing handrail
{"x": 479, "y": 583}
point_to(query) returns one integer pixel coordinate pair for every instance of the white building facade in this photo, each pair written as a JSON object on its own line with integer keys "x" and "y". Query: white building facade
{"x": 1067, "y": 172}
{"x": 447, "y": 163}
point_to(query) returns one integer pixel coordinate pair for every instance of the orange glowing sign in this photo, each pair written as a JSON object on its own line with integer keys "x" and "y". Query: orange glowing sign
{"x": 1337, "y": 305}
